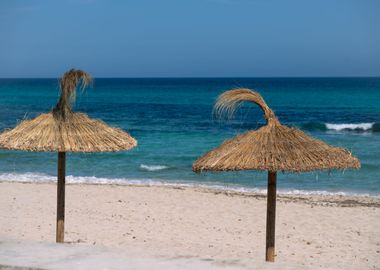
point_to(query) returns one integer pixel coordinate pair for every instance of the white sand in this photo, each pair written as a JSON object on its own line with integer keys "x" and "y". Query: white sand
{"x": 182, "y": 223}
{"x": 42, "y": 255}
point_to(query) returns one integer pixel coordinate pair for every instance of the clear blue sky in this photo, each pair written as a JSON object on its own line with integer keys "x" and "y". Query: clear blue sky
{"x": 190, "y": 38}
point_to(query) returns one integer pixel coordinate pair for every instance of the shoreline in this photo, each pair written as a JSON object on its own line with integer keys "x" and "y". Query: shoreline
{"x": 223, "y": 227}
{"x": 314, "y": 199}
{"x": 231, "y": 189}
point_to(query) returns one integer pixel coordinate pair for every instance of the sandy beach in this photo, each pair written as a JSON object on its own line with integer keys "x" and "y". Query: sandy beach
{"x": 211, "y": 225}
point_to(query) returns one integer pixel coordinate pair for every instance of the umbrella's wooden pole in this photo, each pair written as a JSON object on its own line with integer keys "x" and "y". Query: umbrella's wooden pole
{"x": 61, "y": 198}
{"x": 271, "y": 217}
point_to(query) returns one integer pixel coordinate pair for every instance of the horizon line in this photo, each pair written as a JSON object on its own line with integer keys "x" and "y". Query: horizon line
{"x": 211, "y": 77}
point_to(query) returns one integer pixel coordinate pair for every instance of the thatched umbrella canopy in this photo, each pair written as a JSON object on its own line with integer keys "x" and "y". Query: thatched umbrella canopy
{"x": 273, "y": 147}
{"x": 63, "y": 130}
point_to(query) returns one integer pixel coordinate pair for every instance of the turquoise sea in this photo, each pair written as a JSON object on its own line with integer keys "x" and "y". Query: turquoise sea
{"x": 172, "y": 121}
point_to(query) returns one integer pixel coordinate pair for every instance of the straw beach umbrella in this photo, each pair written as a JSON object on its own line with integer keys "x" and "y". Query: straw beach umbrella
{"x": 62, "y": 130}
{"x": 273, "y": 147}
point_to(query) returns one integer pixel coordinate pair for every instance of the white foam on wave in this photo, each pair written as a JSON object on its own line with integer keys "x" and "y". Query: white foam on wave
{"x": 359, "y": 126}
{"x": 27, "y": 177}
{"x": 153, "y": 168}
{"x": 44, "y": 178}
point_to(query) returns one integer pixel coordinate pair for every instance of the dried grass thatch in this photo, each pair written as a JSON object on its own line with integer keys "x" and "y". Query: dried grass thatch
{"x": 273, "y": 147}
{"x": 70, "y": 81}
{"x": 63, "y": 130}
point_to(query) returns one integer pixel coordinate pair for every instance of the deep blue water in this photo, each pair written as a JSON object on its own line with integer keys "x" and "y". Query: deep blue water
{"x": 172, "y": 121}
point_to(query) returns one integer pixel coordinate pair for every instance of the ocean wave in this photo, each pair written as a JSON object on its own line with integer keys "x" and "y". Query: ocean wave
{"x": 153, "y": 168}
{"x": 44, "y": 178}
{"x": 70, "y": 179}
{"x": 356, "y": 127}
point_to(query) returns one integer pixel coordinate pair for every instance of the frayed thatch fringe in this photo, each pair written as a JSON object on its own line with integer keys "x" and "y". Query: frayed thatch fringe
{"x": 273, "y": 147}
{"x": 79, "y": 133}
